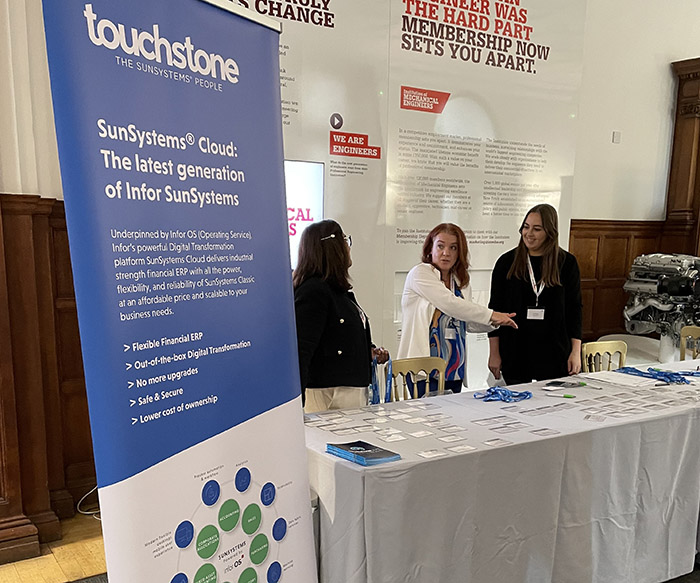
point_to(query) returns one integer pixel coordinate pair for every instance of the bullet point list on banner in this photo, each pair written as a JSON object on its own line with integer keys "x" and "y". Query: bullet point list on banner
{"x": 182, "y": 407}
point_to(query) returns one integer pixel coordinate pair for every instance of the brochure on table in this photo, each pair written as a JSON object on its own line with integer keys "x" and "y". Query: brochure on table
{"x": 169, "y": 129}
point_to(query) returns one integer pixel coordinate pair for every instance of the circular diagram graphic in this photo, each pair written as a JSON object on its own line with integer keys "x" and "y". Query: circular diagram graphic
{"x": 210, "y": 492}
{"x": 184, "y": 533}
{"x": 274, "y": 572}
{"x": 225, "y": 552}
{"x": 267, "y": 494}
{"x": 279, "y": 529}
{"x": 229, "y": 513}
{"x": 242, "y": 479}
{"x": 207, "y": 541}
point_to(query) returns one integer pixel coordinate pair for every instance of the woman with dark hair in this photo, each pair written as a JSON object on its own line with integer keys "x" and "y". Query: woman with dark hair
{"x": 542, "y": 284}
{"x": 333, "y": 335}
{"x": 437, "y": 307}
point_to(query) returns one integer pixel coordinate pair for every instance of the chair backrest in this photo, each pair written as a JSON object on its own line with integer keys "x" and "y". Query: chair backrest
{"x": 690, "y": 332}
{"x": 406, "y": 366}
{"x": 593, "y": 355}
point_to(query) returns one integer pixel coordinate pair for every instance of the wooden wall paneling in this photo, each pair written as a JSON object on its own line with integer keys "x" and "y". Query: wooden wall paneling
{"x": 608, "y": 311}
{"x": 79, "y": 466}
{"x": 678, "y": 237}
{"x": 613, "y": 259}
{"x": 62, "y": 502}
{"x": 20, "y": 264}
{"x": 585, "y": 248}
{"x": 613, "y": 268}
{"x": 605, "y": 251}
{"x": 643, "y": 245}
{"x": 681, "y": 231}
{"x": 19, "y": 538}
{"x": 588, "y": 301}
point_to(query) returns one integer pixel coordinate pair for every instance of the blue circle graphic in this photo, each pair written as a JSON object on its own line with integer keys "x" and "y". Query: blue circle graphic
{"x": 242, "y": 479}
{"x": 179, "y": 578}
{"x": 267, "y": 494}
{"x": 274, "y": 572}
{"x": 279, "y": 529}
{"x": 210, "y": 492}
{"x": 184, "y": 533}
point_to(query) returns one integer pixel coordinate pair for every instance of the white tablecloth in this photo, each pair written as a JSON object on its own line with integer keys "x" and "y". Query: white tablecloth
{"x": 612, "y": 496}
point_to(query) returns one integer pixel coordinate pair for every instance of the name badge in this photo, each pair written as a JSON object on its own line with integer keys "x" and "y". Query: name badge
{"x": 535, "y": 313}
{"x": 450, "y": 333}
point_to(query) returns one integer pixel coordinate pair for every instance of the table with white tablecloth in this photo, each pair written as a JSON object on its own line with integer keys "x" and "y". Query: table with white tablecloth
{"x": 603, "y": 487}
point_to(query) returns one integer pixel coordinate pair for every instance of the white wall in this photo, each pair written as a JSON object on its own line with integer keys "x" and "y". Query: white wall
{"x": 628, "y": 86}
{"x": 28, "y": 153}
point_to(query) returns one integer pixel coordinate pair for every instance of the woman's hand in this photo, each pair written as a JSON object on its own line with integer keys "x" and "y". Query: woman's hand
{"x": 574, "y": 362}
{"x": 495, "y": 361}
{"x": 501, "y": 319}
{"x": 495, "y": 364}
{"x": 381, "y": 354}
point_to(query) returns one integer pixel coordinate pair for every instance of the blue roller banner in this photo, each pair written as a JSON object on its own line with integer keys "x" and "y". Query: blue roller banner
{"x": 170, "y": 142}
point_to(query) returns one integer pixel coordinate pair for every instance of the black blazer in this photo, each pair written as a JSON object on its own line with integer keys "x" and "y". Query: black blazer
{"x": 335, "y": 347}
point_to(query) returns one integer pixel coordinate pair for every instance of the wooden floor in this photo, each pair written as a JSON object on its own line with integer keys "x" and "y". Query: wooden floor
{"x": 79, "y": 554}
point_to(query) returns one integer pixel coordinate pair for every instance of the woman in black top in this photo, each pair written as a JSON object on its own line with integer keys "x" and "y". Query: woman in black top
{"x": 333, "y": 334}
{"x": 542, "y": 284}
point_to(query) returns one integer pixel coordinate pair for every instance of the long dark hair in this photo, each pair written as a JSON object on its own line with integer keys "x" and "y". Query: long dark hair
{"x": 461, "y": 266}
{"x": 323, "y": 253}
{"x": 551, "y": 255}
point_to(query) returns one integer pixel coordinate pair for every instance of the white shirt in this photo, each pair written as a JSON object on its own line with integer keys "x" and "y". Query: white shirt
{"x": 422, "y": 293}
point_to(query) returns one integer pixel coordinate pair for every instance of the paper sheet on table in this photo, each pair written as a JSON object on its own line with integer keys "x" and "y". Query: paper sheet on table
{"x": 619, "y": 378}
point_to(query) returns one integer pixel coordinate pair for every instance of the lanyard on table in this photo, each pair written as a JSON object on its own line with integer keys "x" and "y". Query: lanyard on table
{"x": 537, "y": 289}
{"x": 656, "y": 374}
{"x": 502, "y": 394}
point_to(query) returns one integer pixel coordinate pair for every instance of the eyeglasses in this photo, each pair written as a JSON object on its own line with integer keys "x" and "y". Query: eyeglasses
{"x": 347, "y": 238}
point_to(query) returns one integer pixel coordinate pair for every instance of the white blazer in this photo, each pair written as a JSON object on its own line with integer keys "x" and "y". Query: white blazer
{"x": 422, "y": 293}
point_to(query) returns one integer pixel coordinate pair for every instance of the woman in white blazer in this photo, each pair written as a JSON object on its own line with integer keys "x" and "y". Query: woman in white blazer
{"x": 437, "y": 307}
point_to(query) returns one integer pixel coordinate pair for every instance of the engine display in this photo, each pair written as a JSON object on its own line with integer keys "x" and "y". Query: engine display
{"x": 664, "y": 294}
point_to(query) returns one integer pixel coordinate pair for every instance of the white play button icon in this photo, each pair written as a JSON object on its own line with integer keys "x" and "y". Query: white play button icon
{"x": 336, "y": 121}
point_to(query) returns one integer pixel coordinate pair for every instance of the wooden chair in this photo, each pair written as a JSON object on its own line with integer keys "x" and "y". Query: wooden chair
{"x": 593, "y": 355}
{"x": 687, "y": 333}
{"x": 413, "y": 366}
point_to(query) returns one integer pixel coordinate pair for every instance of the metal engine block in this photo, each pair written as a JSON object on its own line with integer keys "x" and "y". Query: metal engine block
{"x": 664, "y": 294}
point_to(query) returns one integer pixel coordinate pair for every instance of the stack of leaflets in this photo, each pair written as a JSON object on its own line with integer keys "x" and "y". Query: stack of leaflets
{"x": 362, "y": 453}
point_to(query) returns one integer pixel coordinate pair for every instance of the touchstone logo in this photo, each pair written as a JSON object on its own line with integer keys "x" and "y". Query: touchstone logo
{"x": 151, "y": 46}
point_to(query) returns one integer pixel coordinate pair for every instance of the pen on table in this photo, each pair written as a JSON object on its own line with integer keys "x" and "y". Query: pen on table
{"x": 564, "y": 396}
{"x": 662, "y": 384}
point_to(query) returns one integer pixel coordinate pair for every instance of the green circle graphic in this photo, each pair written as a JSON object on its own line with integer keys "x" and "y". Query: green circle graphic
{"x": 248, "y": 576}
{"x": 205, "y": 574}
{"x": 207, "y": 541}
{"x": 228, "y": 515}
{"x": 251, "y": 519}
{"x": 259, "y": 548}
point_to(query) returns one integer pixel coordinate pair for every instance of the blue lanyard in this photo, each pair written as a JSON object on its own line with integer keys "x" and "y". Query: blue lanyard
{"x": 389, "y": 378}
{"x": 503, "y": 394}
{"x": 669, "y": 377}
